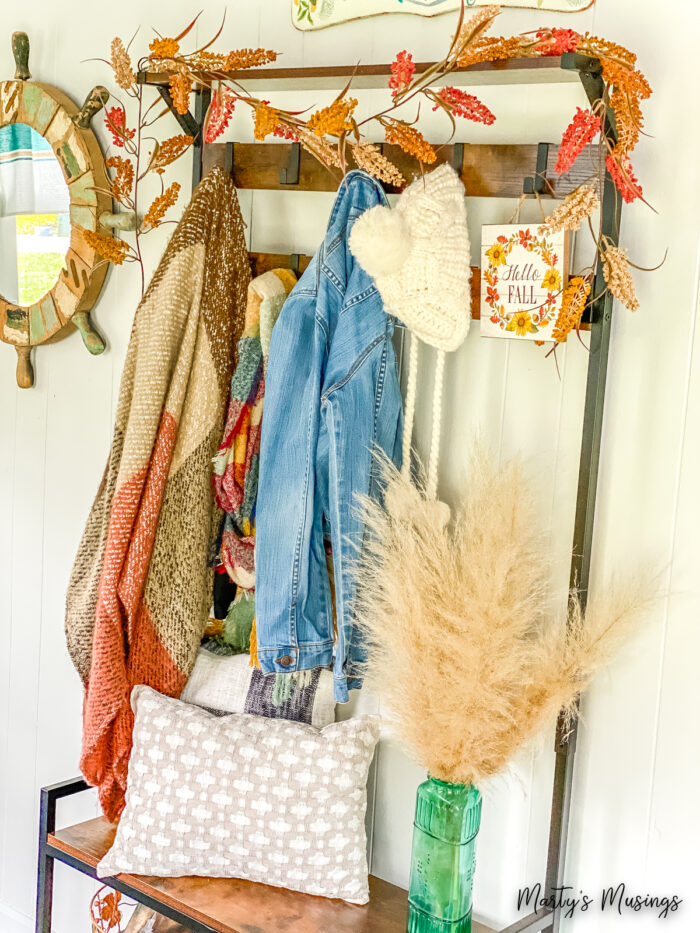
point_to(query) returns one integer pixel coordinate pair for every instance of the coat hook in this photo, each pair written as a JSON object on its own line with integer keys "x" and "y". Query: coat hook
{"x": 228, "y": 159}
{"x": 94, "y": 102}
{"x": 537, "y": 184}
{"x": 25, "y": 370}
{"x": 290, "y": 174}
{"x": 124, "y": 220}
{"x": 457, "y": 160}
{"x": 20, "y": 51}
{"x": 217, "y": 155}
{"x": 91, "y": 338}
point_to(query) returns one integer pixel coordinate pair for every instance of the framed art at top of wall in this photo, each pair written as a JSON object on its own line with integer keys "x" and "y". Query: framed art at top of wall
{"x": 317, "y": 14}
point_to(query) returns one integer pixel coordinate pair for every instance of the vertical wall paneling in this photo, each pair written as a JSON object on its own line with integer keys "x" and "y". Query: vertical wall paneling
{"x": 23, "y": 647}
{"x": 7, "y": 471}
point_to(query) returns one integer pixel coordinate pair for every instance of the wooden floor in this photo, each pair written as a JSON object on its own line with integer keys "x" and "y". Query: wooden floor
{"x": 233, "y": 906}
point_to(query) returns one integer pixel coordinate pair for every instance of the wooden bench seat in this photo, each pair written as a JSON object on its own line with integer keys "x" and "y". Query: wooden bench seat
{"x": 229, "y": 905}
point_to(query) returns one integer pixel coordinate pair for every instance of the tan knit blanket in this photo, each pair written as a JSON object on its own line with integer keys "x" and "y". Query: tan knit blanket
{"x": 140, "y": 589}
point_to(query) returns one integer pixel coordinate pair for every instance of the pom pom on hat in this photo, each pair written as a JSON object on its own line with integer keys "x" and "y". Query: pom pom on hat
{"x": 380, "y": 241}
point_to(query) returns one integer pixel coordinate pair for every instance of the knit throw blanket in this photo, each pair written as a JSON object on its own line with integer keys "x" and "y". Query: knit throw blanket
{"x": 141, "y": 584}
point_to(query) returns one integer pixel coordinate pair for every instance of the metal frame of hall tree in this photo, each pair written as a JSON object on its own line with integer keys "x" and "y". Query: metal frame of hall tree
{"x": 590, "y": 73}
{"x": 599, "y": 319}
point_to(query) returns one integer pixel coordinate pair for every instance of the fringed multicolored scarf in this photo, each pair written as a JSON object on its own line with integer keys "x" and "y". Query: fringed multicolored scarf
{"x": 236, "y": 464}
{"x": 141, "y": 585}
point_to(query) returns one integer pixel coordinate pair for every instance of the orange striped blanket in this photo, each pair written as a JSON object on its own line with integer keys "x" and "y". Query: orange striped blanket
{"x": 141, "y": 584}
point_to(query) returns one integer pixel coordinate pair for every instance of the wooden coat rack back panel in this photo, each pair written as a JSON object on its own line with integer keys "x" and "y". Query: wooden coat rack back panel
{"x": 488, "y": 171}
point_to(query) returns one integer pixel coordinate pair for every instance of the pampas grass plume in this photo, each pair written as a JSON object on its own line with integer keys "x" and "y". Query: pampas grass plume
{"x": 461, "y": 647}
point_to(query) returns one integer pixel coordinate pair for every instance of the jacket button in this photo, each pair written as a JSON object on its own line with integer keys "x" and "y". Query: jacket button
{"x": 285, "y": 661}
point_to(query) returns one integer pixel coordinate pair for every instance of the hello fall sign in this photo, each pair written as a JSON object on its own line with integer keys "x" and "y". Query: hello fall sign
{"x": 316, "y": 14}
{"x": 523, "y": 274}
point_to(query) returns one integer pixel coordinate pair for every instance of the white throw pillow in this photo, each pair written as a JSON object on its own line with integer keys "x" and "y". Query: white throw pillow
{"x": 229, "y": 684}
{"x": 241, "y": 796}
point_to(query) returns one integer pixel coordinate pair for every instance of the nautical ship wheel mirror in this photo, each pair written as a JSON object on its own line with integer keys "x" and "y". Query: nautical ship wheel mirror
{"x": 53, "y": 185}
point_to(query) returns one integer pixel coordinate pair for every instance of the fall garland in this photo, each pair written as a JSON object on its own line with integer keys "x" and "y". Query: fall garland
{"x": 334, "y": 136}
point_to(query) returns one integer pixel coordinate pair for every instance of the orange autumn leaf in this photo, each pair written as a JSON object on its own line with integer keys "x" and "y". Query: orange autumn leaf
{"x": 628, "y": 88}
{"x": 248, "y": 58}
{"x": 490, "y": 49}
{"x": 410, "y": 140}
{"x": 232, "y": 61}
{"x": 111, "y": 249}
{"x": 109, "y": 909}
{"x": 164, "y": 48}
{"x": 572, "y": 307}
{"x": 169, "y": 150}
{"x": 266, "y": 120}
{"x": 123, "y": 180}
{"x": 333, "y": 120}
{"x": 604, "y": 48}
{"x": 180, "y": 88}
{"x": 156, "y": 212}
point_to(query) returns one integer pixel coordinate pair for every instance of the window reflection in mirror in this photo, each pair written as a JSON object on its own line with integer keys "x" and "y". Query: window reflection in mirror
{"x": 34, "y": 215}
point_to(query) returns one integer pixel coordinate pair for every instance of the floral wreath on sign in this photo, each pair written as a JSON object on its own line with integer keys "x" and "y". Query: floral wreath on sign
{"x": 335, "y": 136}
{"x": 521, "y": 322}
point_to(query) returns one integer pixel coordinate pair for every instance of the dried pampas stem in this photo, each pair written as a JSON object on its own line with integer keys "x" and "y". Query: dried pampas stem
{"x": 461, "y": 646}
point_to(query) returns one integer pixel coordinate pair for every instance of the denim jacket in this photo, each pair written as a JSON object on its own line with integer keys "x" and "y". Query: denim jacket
{"x": 332, "y": 396}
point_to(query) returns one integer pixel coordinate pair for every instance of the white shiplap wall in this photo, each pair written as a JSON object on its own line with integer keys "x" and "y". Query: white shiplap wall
{"x": 636, "y": 812}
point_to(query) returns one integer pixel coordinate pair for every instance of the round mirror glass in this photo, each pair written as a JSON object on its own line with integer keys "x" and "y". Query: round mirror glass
{"x": 34, "y": 215}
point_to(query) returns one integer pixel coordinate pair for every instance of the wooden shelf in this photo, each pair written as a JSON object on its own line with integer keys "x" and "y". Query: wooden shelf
{"x": 229, "y": 905}
{"x": 334, "y": 77}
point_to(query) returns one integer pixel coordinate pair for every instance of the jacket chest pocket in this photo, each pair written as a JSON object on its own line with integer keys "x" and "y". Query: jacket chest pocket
{"x": 357, "y": 366}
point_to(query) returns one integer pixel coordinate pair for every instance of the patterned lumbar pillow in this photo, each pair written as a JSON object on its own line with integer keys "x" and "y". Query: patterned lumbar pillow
{"x": 229, "y": 684}
{"x": 241, "y": 796}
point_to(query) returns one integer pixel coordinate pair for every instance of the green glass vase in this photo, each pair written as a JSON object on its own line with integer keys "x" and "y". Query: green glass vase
{"x": 442, "y": 862}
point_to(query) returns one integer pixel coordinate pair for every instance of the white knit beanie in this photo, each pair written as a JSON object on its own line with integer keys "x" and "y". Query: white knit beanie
{"x": 418, "y": 255}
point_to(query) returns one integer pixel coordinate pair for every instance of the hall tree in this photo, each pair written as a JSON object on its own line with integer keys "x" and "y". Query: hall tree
{"x": 635, "y": 811}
